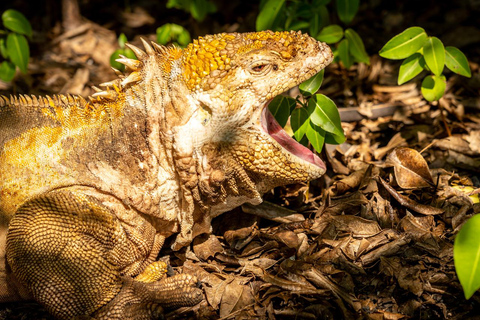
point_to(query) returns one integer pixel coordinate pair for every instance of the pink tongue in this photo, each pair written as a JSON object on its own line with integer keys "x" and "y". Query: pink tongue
{"x": 272, "y": 127}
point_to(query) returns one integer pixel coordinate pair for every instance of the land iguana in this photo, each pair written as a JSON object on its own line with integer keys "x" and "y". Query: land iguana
{"x": 90, "y": 188}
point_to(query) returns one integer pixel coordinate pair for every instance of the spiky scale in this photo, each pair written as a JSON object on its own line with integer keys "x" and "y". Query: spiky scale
{"x": 148, "y": 47}
{"x": 131, "y": 63}
{"x": 141, "y": 55}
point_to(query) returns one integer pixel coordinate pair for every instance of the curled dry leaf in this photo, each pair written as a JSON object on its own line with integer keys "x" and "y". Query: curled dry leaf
{"x": 409, "y": 203}
{"x": 411, "y": 169}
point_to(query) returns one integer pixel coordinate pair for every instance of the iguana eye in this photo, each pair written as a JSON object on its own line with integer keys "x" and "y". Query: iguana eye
{"x": 260, "y": 67}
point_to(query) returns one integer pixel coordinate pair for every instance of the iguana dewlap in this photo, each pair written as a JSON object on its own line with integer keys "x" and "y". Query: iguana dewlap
{"x": 90, "y": 189}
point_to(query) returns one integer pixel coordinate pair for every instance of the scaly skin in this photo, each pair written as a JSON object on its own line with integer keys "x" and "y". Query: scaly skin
{"x": 89, "y": 190}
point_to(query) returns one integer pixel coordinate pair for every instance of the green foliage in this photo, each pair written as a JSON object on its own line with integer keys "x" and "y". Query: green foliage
{"x": 317, "y": 119}
{"x": 175, "y": 33}
{"x": 309, "y": 87}
{"x": 331, "y": 34}
{"x": 14, "y": 47}
{"x": 466, "y": 256}
{"x": 422, "y": 52}
{"x": 123, "y": 51}
{"x": 404, "y": 44}
{"x": 347, "y": 9}
{"x": 197, "y": 8}
{"x": 314, "y": 17}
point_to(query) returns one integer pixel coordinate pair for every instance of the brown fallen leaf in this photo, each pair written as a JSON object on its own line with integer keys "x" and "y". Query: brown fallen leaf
{"x": 206, "y": 246}
{"x": 411, "y": 169}
{"x": 409, "y": 203}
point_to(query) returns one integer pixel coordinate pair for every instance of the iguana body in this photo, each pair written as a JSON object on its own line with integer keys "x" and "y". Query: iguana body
{"x": 89, "y": 190}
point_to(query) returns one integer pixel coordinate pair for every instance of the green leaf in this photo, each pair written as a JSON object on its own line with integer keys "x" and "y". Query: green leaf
{"x": 457, "y": 62}
{"x": 325, "y": 114}
{"x": 299, "y": 123}
{"x": 404, "y": 44}
{"x": 297, "y": 25}
{"x": 357, "y": 48}
{"x": 183, "y": 38}
{"x": 268, "y": 14}
{"x": 129, "y": 53}
{"x": 331, "y": 34}
{"x": 200, "y": 8}
{"x": 281, "y": 107}
{"x": 18, "y": 50}
{"x": 331, "y": 138}
{"x": 315, "y": 135}
{"x": 3, "y": 48}
{"x": 347, "y": 9}
{"x": 410, "y": 68}
{"x": 311, "y": 86}
{"x": 434, "y": 54}
{"x": 15, "y": 21}
{"x": 433, "y": 87}
{"x": 315, "y": 24}
{"x": 344, "y": 53}
{"x": 317, "y": 3}
{"x": 122, "y": 39}
{"x": 115, "y": 55}
{"x": 466, "y": 256}
{"x": 171, "y": 32}
{"x": 7, "y": 71}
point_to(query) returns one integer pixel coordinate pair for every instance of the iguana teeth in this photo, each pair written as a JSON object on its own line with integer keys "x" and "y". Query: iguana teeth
{"x": 148, "y": 47}
{"x": 141, "y": 55}
{"x": 131, "y": 63}
{"x": 132, "y": 78}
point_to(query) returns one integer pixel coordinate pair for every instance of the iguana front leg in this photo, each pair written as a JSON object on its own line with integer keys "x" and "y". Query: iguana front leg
{"x": 71, "y": 253}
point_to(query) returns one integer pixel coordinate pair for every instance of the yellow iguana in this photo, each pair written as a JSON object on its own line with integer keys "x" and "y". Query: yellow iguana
{"x": 90, "y": 189}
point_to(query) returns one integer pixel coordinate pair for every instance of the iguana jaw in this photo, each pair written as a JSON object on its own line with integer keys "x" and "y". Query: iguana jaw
{"x": 274, "y": 130}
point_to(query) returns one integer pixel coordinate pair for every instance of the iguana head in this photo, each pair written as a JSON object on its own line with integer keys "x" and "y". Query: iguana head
{"x": 233, "y": 77}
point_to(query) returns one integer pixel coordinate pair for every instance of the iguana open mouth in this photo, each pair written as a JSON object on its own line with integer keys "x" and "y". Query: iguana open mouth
{"x": 271, "y": 126}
